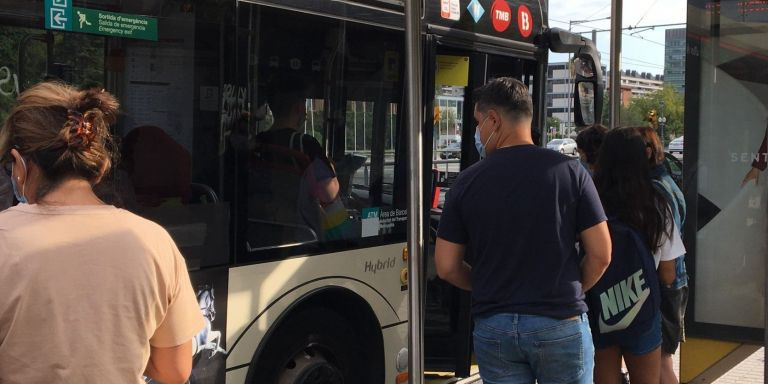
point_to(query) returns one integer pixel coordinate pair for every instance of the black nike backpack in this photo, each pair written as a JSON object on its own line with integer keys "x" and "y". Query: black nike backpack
{"x": 626, "y": 300}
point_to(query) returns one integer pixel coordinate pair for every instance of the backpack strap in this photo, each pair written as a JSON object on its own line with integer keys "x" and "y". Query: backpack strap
{"x": 300, "y": 146}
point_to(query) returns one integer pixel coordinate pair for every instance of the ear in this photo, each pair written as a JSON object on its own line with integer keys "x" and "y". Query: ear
{"x": 649, "y": 153}
{"x": 102, "y": 172}
{"x": 19, "y": 167}
{"x": 495, "y": 119}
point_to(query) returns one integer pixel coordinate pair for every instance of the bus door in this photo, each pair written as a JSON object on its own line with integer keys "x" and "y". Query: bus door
{"x": 449, "y": 138}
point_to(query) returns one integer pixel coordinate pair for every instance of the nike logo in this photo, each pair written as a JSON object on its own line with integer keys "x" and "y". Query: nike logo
{"x": 627, "y": 293}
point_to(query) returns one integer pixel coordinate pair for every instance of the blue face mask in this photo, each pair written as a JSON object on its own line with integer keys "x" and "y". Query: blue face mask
{"x": 19, "y": 195}
{"x": 479, "y": 141}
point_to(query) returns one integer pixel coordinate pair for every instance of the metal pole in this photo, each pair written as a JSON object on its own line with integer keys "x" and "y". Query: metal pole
{"x": 415, "y": 190}
{"x": 616, "y": 16}
{"x": 662, "y": 122}
{"x": 570, "y": 85}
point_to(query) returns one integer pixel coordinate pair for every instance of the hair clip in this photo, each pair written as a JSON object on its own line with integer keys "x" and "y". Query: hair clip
{"x": 81, "y": 131}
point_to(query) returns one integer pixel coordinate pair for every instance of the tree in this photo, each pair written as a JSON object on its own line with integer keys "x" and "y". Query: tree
{"x": 626, "y": 115}
{"x": 637, "y": 112}
{"x": 673, "y": 110}
{"x": 553, "y": 122}
{"x": 77, "y": 59}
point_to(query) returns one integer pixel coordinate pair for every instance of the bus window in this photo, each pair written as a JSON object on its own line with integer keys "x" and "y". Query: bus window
{"x": 24, "y": 61}
{"x": 322, "y": 159}
{"x": 168, "y": 138}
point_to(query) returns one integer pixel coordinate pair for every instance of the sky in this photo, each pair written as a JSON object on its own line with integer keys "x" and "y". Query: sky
{"x": 642, "y": 50}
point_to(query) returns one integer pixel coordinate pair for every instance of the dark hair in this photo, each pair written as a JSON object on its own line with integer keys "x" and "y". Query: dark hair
{"x": 507, "y": 94}
{"x": 653, "y": 142}
{"x": 284, "y": 92}
{"x": 589, "y": 141}
{"x": 623, "y": 181}
{"x": 63, "y": 130}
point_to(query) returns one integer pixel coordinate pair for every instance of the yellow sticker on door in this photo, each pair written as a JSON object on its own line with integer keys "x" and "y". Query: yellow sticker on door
{"x": 452, "y": 71}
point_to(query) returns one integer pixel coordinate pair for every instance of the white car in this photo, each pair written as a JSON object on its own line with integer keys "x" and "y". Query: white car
{"x": 564, "y": 146}
{"x": 676, "y": 145}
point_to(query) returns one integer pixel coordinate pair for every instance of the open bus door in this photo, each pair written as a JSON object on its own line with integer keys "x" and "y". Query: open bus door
{"x": 454, "y": 69}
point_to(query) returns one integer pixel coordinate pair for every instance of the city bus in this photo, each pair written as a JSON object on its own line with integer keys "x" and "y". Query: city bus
{"x": 290, "y": 298}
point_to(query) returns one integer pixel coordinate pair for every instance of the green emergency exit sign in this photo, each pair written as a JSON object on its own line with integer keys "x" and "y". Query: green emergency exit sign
{"x": 61, "y": 15}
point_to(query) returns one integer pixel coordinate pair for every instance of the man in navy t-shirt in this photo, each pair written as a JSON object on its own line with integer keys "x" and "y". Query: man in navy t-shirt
{"x": 521, "y": 210}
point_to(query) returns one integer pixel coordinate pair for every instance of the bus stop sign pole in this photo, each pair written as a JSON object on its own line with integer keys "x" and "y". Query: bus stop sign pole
{"x": 415, "y": 191}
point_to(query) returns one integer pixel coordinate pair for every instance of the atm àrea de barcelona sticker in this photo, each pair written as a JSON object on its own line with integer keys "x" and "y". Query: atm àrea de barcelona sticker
{"x": 524, "y": 21}
{"x": 501, "y": 15}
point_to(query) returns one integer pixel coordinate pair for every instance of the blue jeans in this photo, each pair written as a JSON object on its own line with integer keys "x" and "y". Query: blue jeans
{"x": 514, "y": 348}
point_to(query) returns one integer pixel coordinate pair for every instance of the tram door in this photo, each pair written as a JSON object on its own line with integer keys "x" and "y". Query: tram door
{"x": 451, "y": 148}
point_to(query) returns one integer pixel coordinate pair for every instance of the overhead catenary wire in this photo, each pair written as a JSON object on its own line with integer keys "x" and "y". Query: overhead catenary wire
{"x": 601, "y": 9}
{"x": 646, "y": 12}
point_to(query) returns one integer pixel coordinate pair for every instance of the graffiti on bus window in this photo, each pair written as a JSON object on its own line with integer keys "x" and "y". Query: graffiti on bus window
{"x": 9, "y": 82}
{"x": 233, "y": 106}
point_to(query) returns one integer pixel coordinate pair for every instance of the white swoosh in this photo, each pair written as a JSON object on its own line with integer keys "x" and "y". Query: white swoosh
{"x": 628, "y": 317}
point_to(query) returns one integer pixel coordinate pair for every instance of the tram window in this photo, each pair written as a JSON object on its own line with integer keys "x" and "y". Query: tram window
{"x": 322, "y": 161}
{"x": 168, "y": 130}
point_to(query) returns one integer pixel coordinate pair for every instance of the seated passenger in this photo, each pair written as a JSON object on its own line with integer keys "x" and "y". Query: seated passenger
{"x": 293, "y": 182}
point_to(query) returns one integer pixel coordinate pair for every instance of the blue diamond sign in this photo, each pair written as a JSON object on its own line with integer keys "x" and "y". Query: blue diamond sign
{"x": 476, "y": 10}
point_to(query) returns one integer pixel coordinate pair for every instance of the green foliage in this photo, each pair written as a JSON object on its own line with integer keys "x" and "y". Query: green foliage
{"x": 76, "y": 58}
{"x": 553, "y": 122}
{"x": 637, "y": 111}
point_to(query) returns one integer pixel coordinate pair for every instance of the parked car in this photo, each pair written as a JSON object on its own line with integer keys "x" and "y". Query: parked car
{"x": 676, "y": 146}
{"x": 565, "y": 146}
{"x": 452, "y": 151}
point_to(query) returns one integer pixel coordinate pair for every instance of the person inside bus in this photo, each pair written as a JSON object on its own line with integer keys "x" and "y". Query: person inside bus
{"x": 588, "y": 144}
{"x": 91, "y": 293}
{"x": 623, "y": 180}
{"x": 520, "y": 211}
{"x": 302, "y": 186}
{"x": 674, "y": 297}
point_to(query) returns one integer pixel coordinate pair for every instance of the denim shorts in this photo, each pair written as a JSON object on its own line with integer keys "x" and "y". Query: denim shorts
{"x": 516, "y": 348}
{"x": 641, "y": 345}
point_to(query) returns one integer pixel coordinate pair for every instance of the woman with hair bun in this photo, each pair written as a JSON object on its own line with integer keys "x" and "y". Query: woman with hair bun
{"x": 91, "y": 293}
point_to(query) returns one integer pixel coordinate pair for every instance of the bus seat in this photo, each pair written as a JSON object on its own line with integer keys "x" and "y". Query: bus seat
{"x": 203, "y": 194}
{"x": 160, "y": 169}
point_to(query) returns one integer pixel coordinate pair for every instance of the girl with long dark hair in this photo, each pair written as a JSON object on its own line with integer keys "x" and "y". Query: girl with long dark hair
{"x": 623, "y": 181}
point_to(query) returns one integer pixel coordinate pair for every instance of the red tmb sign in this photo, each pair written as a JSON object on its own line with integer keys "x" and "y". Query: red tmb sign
{"x": 524, "y": 21}
{"x": 501, "y": 15}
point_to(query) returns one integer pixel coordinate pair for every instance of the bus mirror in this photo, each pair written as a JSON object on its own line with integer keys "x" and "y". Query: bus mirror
{"x": 582, "y": 68}
{"x": 585, "y": 69}
{"x": 588, "y": 93}
{"x": 585, "y": 103}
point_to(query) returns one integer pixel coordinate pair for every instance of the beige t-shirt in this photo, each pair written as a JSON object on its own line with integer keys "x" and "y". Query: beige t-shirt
{"x": 85, "y": 291}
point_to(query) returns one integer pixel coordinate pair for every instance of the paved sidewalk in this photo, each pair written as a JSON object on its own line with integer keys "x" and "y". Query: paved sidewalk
{"x": 749, "y": 371}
